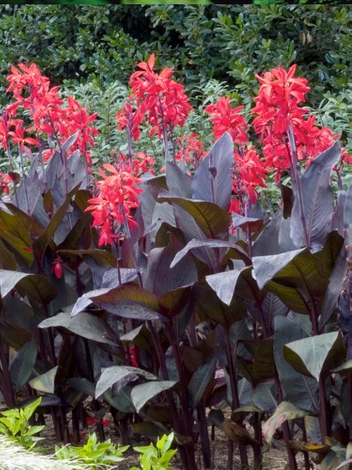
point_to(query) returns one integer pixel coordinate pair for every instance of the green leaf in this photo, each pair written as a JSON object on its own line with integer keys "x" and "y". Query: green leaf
{"x": 30, "y": 409}
{"x": 22, "y": 366}
{"x": 141, "y": 394}
{"x": 113, "y": 374}
{"x": 45, "y": 382}
{"x": 200, "y": 380}
{"x": 317, "y": 355}
{"x": 284, "y": 412}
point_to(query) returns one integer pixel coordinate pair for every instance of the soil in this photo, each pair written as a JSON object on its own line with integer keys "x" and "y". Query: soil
{"x": 273, "y": 458}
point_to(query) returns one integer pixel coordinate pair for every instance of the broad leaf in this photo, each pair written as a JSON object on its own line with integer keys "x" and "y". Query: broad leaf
{"x": 102, "y": 257}
{"x": 213, "y": 221}
{"x": 139, "y": 336}
{"x": 22, "y": 366}
{"x": 83, "y": 324}
{"x": 128, "y": 293}
{"x": 212, "y": 180}
{"x": 141, "y": 394}
{"x": 210, "y": 243}
{"x": 318, "y": 200}
{"x": 212, "y": 307}
{"x": 161, "y": 276}
{"x": 39, "y": 246}
{"x": 300, "y": 390}
{"x": 177, "y": 181}
{"x": 131, "y": 310}
{"x": 284, "y": 412}
{"x": 200, "y": 381}
{"x": 245, "y": 223}
{"x": 295, "y": 277}
{"x": 45, "y": 382}
{"x": 114, "y": 374}
{"x": 333, "y": 290}
{"x": 15, "y": 233}
{"x": 264, "y": 396}
{"x": 35, "y": 286}
{"x": 317, "y": 355}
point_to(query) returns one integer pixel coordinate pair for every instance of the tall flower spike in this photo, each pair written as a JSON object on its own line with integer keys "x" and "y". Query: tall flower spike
{"x": 112, "y": 207}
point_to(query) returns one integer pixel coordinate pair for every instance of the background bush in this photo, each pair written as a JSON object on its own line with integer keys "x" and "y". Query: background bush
{"x": 94, "y": 49}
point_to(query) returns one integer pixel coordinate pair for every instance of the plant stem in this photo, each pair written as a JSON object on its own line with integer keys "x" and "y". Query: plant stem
{"x": 305, "y": 454}
{"x": 286, "y": 430}
{"x": 24, "y": 178}
{"x": 95, "y": 403}
{"x": 7, "y": 385}
{"x": 349, "y": 338}
{"x": 204, "y": 436}
{"x": 235, "y": 400}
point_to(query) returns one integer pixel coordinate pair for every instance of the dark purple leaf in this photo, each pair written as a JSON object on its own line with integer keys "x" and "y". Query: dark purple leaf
{"x": 239, "y": 221}
{"x": 318, "y": 200}
{"x": 131, "y": 310}
{"x": 212, "y": 180}
{"x": 210, "y": 243}
{"x": 213, "y": 221}
{"x": 177, "y": 181}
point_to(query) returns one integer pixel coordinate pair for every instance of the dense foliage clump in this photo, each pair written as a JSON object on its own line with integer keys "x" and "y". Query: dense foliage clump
{"x": 166, "y": 289}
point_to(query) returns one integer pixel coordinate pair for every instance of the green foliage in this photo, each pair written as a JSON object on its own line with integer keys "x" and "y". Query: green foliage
{"x": 156, "y": 458}
{"x": 14, "y": 424}
{"x": 93, "y": 453}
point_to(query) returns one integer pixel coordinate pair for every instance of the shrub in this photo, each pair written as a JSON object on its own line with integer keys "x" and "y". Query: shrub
{"x": 172, "y": 294}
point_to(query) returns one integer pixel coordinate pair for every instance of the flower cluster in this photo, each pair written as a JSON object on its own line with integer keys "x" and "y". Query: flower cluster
{"x": 226, "y": 119}
{"x": 191, "y": 150}
{"x": 278, "y": 109}
{"x": 159, "y": 97}
{"x": 111, "y": 209}
{"x": 4, "y": 183}
{"x": 249, "y": 171}
{"x": 130, "y": 119}
{"x": 32, "y": 93}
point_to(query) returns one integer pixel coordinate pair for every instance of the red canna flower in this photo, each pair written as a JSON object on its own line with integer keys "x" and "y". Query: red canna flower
{"x": 4, "y": 183}
{"x": 249, "y": 173}
{"x": 142, "y": 163}
{"x": 163, "y": 100}
{"x": 19, "y": 138}
{"x": 191, "y": 151}
{"x": 32, "y": 91}
{"x": 130, "y": 118}
{"x": 277, "y": 108}
{"x": 117, "y": 196}
{"x": 226, "y": 119}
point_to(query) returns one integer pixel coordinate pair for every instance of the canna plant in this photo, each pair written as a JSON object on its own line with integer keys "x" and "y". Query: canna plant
{"x": 169, "y": 296}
